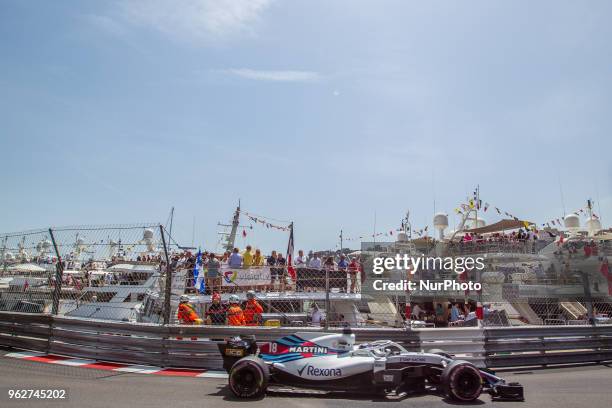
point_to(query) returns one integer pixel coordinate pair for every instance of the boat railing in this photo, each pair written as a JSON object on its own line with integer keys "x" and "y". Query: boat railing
{"x": 480, "y": 246}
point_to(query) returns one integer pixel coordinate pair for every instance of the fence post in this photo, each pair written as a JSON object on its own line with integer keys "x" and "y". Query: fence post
{"x": 59, "y": 274}
{"x": 327, "y": 311}
{"x": 4, "y": 265}
{"x": 588, "y": 299}
{"x": 168, "y": 288}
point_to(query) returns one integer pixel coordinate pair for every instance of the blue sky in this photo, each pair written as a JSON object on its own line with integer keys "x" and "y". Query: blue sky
{"x": 320, "y": 112}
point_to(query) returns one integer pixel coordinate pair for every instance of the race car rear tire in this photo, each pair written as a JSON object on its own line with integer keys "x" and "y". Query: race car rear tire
{"x": 461, "y": 381}
{"x": 248, "y": 377}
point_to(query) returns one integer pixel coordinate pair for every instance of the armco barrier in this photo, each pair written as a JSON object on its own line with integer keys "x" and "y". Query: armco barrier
{"x": 25, "y": 330}
{"x": 543, "y": 345}
{"x": 467, "y": 343}
{"x": 196, "y": 346}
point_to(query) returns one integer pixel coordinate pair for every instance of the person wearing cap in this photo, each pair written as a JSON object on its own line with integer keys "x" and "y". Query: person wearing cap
{"x": 252, "y": 310}
{"x": 235, "y": 315}
{"x": 186, "y": 312}
{"x": 216, "y": 313}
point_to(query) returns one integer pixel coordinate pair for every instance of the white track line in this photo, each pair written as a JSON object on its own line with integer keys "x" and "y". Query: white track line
{"x": 75, "y": 362}
{"x": 213, "y": 374}
{"x": 140, "y": 369}
{"x": 24, "y": 354}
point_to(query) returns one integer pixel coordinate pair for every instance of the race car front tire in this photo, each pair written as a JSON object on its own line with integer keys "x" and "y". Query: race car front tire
{"x": 461, "y": 381}
{"x": 248, "y": 377}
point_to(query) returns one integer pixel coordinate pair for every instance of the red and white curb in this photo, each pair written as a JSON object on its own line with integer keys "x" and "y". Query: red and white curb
{"x": 118, "y": 367}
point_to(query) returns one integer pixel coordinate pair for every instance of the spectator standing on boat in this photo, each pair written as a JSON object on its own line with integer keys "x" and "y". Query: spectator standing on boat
{"x": 225, "y": 257}
{"x": 300, "y": 260}
{"x": 588, "y": 250}
{"x": 213, "y": 275}
{"x": 252, "y": 310}
{"x": 316, "y": 316}
{"x": 454, "y": 315}
{"x": 235, "y": 315}
{"x": 417, "y": 311}
{"x": 186, "y": 312}
{"x": 353, "y": 268}
{"x": 329, "y": 263}
{"x": 216, "y": 313}
{"x": 235, "y": 259}
{"x": 247, "y": 257}
{"x": 440, "y": 316}
{"x": 271, "y": 261}
{"x": 314, "y": 262}
{"x": 281, "y": 263}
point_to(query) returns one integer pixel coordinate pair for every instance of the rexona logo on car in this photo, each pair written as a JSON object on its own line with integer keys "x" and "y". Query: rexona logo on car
{"x": 308, "y": 349}
{"x": 319, "y": 372}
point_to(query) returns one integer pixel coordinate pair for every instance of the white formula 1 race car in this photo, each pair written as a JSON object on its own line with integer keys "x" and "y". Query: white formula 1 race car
{"x": 333, "y": 362}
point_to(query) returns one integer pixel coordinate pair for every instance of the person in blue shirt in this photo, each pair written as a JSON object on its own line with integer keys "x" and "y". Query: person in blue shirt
{"x": 343, "y": 263}
{"x": 454, "y": 313}
{"x": 235, "y": 259}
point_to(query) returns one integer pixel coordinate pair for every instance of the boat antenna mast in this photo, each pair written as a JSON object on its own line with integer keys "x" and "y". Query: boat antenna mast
{"x": 231, "y": 238}
{"x": 406, "y": 226}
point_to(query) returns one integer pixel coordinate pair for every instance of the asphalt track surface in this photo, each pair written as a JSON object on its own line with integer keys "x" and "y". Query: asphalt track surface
{"x": 585, "y": 386}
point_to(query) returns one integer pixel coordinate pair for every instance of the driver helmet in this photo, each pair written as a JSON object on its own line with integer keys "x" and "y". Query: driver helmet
{"x": 184, "y": 298}
{"x": 234, "y": 299}
{"x": 250, "y": 294}
{"x": 216, "y": 296}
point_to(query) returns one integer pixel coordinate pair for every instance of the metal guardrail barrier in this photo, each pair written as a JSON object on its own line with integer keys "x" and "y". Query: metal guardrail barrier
{"x": 544, "y": 345}
{"x": 196, "y": 346}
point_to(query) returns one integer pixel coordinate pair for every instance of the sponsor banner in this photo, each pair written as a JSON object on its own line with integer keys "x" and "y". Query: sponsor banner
{"x": 245, "y": 277}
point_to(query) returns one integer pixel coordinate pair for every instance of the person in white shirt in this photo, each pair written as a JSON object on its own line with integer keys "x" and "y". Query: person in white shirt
{"x": 301, "y": 260}
{"x": 316, "y": 316}
{"x": 315, "y": 262}
{"x": 417, "y": 311}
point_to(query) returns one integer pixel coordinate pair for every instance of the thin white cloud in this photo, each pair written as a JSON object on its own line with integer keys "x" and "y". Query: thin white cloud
{"x": 196, "y": 20}
{"x": 105, "y": 23}
{"x": 276, "y": 76}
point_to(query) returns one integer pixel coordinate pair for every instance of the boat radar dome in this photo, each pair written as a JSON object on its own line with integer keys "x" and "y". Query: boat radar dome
{"x": 402, "y": 237}
{"x": 440, "y": 222}
{"x": 147, "y": 238}
{"x": 593, "y": 226}
{"x": 572, "y": 222}
{"x": 147, "y": 234}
